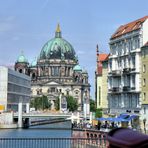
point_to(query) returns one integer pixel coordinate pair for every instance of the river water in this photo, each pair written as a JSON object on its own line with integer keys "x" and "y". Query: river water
{"x": 41, "y": 132}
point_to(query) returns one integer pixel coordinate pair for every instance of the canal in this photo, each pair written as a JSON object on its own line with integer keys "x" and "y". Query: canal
{"x": 35, "y": 137}
{"x": 42, "y": 131}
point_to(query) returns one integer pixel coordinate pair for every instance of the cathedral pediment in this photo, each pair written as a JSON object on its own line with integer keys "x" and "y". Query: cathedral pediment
{"x": 52, "y": 83}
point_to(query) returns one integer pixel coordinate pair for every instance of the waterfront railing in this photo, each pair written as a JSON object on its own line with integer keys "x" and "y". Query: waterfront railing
{"x": 53, "y": 143}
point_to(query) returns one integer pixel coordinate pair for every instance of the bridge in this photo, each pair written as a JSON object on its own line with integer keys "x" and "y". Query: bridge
{"x": 32, "y": 119}
{"x": 43, "y": 115}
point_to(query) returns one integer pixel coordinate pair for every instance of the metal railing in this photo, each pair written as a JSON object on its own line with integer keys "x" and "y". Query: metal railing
{"x": 52, "y": 143}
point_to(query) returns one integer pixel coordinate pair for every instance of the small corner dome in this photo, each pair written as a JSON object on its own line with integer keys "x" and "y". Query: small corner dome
{"x": 84, "y": 71}
{"x": 22, "y": 59}
{"x": 34, "y": 63}
{"x": 77, "y": 68}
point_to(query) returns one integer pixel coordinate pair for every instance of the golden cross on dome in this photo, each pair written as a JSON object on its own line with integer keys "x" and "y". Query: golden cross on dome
{"x": 58, "y": 28}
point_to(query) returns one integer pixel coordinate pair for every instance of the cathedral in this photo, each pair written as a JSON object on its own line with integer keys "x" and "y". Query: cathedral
{"x": 56, "y": 71}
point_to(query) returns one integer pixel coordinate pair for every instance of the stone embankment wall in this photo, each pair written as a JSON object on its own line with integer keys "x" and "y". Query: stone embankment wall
{"x": 99, "y": 138}
{"x": 6, "y": 120}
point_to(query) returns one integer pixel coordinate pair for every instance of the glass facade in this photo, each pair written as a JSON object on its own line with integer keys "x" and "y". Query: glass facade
{"x": 16, "y": 87}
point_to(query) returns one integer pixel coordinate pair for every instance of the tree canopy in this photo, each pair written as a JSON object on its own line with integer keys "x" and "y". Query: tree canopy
{"x": 72, "y": 103}
{"x": 40, "y": 103}
{"x": 92, "y": 105}
{"x": 98, "y": 113}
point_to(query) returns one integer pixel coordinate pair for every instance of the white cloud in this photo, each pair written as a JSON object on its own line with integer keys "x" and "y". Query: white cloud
{"x": 7, "y": 24}
{"x": 10, "y": 18}
{"x": 4, "y": 27}
{"x": 80, "y": 52}
{"x": 44, "y": 4}
{"x": 15, "y": 38}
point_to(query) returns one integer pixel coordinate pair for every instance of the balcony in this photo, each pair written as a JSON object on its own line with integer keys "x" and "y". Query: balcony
{"x": 126, "y": 70}
{"x": 114, "y": 89}
{"x": 115, "y": 73}
{"x": 133, "y": 88}
{"x": 126, "y": 88}
{"x": 133, "y": 69}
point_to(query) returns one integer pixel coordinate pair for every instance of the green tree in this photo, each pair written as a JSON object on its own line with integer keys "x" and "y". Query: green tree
{"x": 98, "y": 113}
{"x": 40, "y": 103}
{"x": 72, "y": 103}
{"x": 92, "y": 105}
{"x": 57, "y": 104}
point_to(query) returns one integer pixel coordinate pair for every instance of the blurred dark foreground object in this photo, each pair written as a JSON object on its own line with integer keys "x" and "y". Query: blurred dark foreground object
{"x": 127, "y": 138}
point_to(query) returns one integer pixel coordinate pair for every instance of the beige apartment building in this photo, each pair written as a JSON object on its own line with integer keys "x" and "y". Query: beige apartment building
{"x": 101, "y": 81}
{"x": 144, "y": 84}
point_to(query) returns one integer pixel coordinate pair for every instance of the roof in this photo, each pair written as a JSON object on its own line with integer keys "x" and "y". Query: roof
{"x": 132, "y": 26}
{"x": 77, "y": 68}
{"x": 22, "y": 59}
{"x": 102, "y": 57}
{"x": 146, "y": 44}
{"x": 58, "y": 48}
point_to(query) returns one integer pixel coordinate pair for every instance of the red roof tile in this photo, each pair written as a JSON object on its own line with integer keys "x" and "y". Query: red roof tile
{"x": 100, "y": 59}
{"x": 123, "y": 29}
{"x": 146, "y": 44}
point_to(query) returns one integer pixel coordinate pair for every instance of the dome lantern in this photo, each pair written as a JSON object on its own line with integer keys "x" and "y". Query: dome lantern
{"x": 58, "y": 32}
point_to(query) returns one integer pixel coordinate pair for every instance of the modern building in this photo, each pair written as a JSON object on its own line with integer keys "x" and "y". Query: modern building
{"x": 124, "y": 80}
{"x": 144, "y": 84}
{"x": 56, "y": 71}
{"x": 101, "y": 76}
{"x": 14, "y": 88}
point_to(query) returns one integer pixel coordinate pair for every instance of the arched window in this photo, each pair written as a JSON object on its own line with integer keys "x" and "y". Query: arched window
{"x": 20, "y": 70}
{"x": 33, "y": 76}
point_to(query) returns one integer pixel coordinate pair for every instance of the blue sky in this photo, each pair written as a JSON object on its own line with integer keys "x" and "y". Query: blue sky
{"x": 27, "y": 25}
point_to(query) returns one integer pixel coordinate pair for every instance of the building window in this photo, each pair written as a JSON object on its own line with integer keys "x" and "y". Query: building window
{"x": 144, "y": 109}
{"x": 67, "y": 92}
{"x": 144, "y": 68}
{"x": 144, "y": 96}
{"x": 38, "y": 92}
{"x": 76, "y": 92}
{"x": 144, "y": 82}
{"x": 133, "y": 61}
{"x": 143, "y": 53}
{"x": 133, "y": 81}
{"x": 52, "y": 89}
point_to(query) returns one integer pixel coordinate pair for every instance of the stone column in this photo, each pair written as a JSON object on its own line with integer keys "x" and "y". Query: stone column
{"x": 20, "y": 114}
{"x": 78, "y": 117}
{"x": 27, "y": 108}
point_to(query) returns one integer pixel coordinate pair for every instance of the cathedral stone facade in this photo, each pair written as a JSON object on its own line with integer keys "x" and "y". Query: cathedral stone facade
{"x": 56, "y": 72}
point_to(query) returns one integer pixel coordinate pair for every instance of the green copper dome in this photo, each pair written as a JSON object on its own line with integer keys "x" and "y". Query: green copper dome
{"x": 34, "y": 63}
{"x": 58, "y": 48}
{"x": 22, "y": 59}
{"x": 77, "y": 68}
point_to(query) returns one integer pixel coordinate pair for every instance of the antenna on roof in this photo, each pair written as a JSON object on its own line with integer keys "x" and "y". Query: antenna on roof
{"x": 97, "y": 49}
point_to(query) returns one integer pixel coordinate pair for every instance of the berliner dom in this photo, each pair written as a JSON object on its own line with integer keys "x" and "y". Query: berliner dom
{"x": 56, "y": 71}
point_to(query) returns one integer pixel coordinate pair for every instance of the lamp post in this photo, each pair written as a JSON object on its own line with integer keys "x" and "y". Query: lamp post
{"x": 144, "y": 122}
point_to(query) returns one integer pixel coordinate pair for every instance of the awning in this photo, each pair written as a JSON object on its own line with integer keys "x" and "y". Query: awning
{"x": 124, "y": 116}
{"x": 127, "y": 117}
{"x": 101, "y": 119}
{"x": 121, "y": 118}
